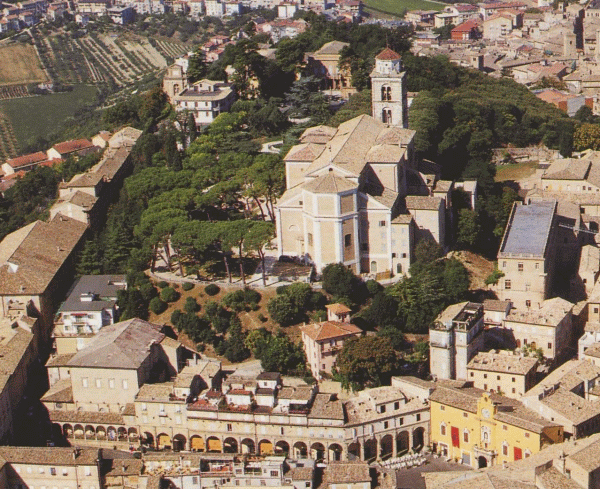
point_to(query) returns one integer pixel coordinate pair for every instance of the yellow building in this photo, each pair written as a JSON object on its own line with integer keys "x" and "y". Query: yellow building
{"x": 484, "y": 429}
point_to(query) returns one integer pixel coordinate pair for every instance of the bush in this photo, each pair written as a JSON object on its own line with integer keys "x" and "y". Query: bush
{"x": 373, "y": 286}
{"x": 169, "y": 294}
{"x": 239, "y": 300}
{"x": 212, "y": 289}
{"x": 187, "y": 286}
{"x": 176, "y": 318}
{"x": 191, "y": 306}
{"x": 157, "y": 306}
{"x": 281, "y": 289}
{"x": 162, "y": 284}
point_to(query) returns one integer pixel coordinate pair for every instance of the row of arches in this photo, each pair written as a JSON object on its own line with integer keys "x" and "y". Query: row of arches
{"x": 91, "y": 432}
{"x": 372, "y": 448}
{"x": 388, "y": 445}
{"x": 213, "y": 444}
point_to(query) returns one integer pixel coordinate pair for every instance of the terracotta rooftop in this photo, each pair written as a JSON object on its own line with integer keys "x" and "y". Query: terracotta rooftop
{"x": 510, "y": 411}
{"x": 388, "y": 55}
{"x": 67, "y": 147}
{"x": 31, "y": 257}
{"x": 338, "y": 308}
{"x": 26, "y": 160}
{"x": 49, "y": 455}
{"x": 330, "y": 329}
{"x": 504, "y": 363}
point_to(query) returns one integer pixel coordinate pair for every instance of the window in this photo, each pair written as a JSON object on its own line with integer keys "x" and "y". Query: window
{"x": 514, "y": 391}
{"x": 443, "y": 429}
{"x": 274, "y": 473}
{"x": 442, "y": 407}
{"x": 386, "y": 116}
{"x": 549, "y": 346}
{"x": 125, "y": 384}
{"x": 418, "y": 417}
{"x": 472, "y": 374}
{"x": 527, "y": 303}
{"x": 520, "y": 267}
{"x": 485, "y": 376}
{"x": 595, "y": 310}
{"x": 504, "y": 427}
{"x": 52, "y": 470}
{"x": 98, "y": 383}
{"x": 111, "y": 383}
{"x": 526, "y": 435}
{"x": 485, "y": 387}
{"x": 537, "y": 266}
{"x": 84, "y": 382}
{"x": 386, "y": 425}
{"x": 505, "y": 449}
{"x": 507, "y": 285}
{"x": 348, "y": 240}
{"x": 381, "y": 224}
{"x": 382, "y": 409}
{"x": 400, "y": 421}
{"x": 503, "y": 264}
{"x": 465, "y": 415}
{"x": 514, "y": 379}
{"x": 281, "y": 431}
{"x": 144, "y": 407}
{"x": 397, "y": 405}
{"x": 229, "y": 427}
{"x": 310, "y": 239}
{"x": 466, "y": 436}
{"x": 497, "y": 377}
{"x": 398, "y": 267}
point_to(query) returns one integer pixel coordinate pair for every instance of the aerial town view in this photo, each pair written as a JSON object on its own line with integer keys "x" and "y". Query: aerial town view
{"x": 299, "y": 244}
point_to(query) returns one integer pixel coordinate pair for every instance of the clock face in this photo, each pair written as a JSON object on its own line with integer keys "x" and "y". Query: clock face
{"x": 486, "y": 413}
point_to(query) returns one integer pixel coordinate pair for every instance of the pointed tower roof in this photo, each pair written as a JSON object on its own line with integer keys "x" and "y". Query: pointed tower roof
{"x": 388, "y": 55}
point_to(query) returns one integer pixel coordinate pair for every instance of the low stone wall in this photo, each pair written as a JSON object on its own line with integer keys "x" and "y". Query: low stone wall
{"x": 502, "y": 156}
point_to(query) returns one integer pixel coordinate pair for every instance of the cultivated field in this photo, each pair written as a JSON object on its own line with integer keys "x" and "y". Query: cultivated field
{"x": 40, "y": 116}
{"x": 397, "y": 7}
{"x": 19, "y": 64}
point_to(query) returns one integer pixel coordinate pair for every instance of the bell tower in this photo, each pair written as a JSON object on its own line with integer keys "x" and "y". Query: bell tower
{"x": 388, "y": 85}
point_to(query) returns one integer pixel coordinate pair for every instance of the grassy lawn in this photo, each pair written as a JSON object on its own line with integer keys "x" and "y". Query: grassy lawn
{"x": 41, "y": 116}
{"x": 397, "y": 7}
{"x": 515, "y": 172}
{"x": 19, "y": 63}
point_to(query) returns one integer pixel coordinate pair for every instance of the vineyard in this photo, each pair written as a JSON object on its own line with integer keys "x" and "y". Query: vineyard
{"x": 8, "y": 143}
{"x": 115, "y": 63}
{"x": 103, "y": 58}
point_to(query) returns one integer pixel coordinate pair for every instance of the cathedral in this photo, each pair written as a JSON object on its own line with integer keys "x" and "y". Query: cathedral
{"x": 356, "y": 195}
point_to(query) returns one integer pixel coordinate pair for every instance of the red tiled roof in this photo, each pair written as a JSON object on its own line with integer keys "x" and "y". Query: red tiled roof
{"x": 465, "y": 26}
{"x": 388, "y": 54}
{"x": 73, "y": 145}
{"x": 52, "y": 162}
{"x": 18, "y": 174}
{"x": 26, "y": 160}
{"x": 330, "y": 329}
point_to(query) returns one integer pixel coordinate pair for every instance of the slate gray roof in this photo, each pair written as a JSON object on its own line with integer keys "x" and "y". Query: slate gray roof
{"x": 105, "y": 287}
{"x": 529, "y": 229}
{"x": 123, "y": 345}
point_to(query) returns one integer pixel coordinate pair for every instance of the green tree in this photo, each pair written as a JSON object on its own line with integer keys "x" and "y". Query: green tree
{"x": 368, "y": 361}
{"x": 88, "y": 261}
{"x": 340, "y": 282}
{"x": 587, "y": 136}
{"x": 468, "y": 228}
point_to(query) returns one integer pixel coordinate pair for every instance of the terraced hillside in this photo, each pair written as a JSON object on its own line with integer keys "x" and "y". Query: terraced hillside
{"x": 103, "y": 58}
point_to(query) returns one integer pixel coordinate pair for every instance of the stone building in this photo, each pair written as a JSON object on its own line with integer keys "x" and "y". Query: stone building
{"x": 455, "y": 337}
